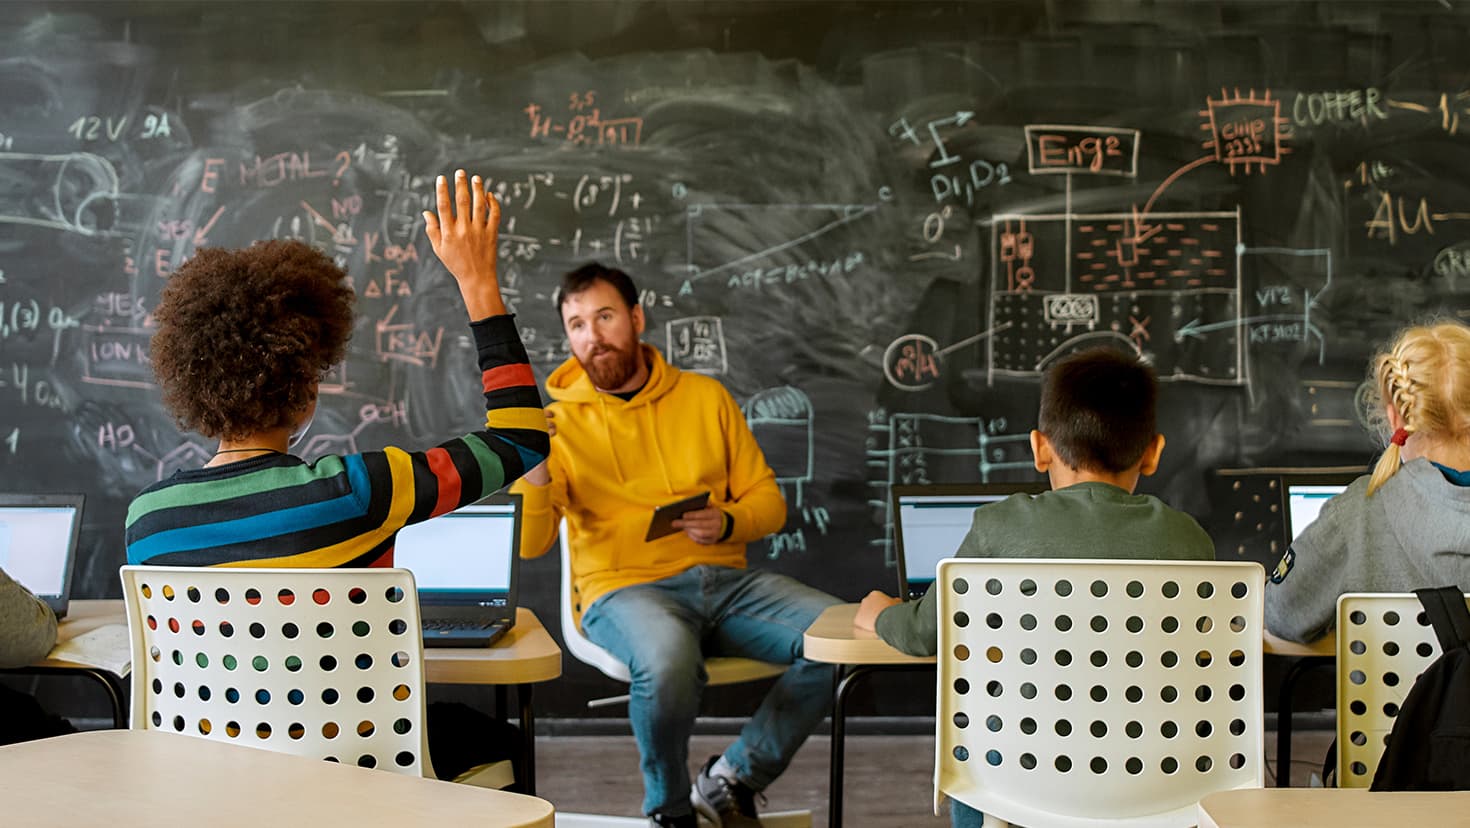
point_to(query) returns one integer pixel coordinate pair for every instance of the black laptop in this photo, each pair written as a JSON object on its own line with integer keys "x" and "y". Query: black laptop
{"x": 930, "y": 521}
{"x": 465, "y": 566}
{"x": 38, "y": 543}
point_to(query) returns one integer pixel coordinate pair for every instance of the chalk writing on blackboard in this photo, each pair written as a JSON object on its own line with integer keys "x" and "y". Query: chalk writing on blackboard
{"x": 918, "y": 449}
{"x": 697, "y": 343}
{"x": 913, "y": 362}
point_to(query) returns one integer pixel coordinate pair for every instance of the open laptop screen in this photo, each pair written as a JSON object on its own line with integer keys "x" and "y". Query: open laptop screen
{"x": 1304, "y": 501}
{"x": 38, "y": 538}
{"x": 931, "y": 521}
{"x": 465, "y": 553}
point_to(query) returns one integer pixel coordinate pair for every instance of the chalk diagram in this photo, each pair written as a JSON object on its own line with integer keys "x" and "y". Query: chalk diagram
{"x": 76, "y": 192}
{"x": 1167, "y": 285}
{"x": 742, "y": 270}
{"x": 783, "y": 417}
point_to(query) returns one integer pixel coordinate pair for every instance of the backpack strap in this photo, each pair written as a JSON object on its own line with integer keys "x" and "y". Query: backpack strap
{"x": 1445, "y": 607}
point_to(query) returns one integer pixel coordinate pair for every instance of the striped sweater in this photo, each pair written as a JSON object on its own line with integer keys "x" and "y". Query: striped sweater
{"x": 278, "y": 510}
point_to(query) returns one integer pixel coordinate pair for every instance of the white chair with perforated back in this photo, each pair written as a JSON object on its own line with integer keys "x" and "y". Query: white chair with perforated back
{"x": 1384, "y": 641}
{"x": 1090, "y": 693}
{"x": 721, "y": 669}
{"x": 326, "y": 663}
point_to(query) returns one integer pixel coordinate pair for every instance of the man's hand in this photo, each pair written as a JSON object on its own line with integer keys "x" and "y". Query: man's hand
{"x": 873, "y": 604}
{"x": 702, "y": 526}
{"x": 465, "y": 235}
{"x": 539, "y": 475}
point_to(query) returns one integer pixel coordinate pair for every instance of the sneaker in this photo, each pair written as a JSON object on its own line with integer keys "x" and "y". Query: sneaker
{"x": 727, "y": 802}
{"x": 657, "y": 820}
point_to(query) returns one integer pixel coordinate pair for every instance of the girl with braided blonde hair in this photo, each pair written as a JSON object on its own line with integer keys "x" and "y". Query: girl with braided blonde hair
{"x": 1423, "y": 390}
{"x": 1407, "y": 525}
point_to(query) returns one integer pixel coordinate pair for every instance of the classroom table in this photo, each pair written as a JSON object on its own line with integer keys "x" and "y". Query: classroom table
{"x": 832, "y": 639}
{"x": 1305, "y": 807}
{"x": 527, "y": 654}
{"x": 155, "y": 779}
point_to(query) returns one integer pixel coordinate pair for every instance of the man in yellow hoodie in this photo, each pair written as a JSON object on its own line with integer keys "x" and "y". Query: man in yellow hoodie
{"x": 633, "y": 433}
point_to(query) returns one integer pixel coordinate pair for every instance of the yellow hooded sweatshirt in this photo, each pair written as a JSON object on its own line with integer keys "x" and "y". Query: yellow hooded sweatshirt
{"x": 613, "y": 462}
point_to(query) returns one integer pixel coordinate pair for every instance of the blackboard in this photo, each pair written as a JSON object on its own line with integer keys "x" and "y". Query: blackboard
{"x": 874, "y": 222}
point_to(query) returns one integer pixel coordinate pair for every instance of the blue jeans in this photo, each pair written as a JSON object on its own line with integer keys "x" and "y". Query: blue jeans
{"x": 663, "y": 630}
{"x": 963, "y": 816}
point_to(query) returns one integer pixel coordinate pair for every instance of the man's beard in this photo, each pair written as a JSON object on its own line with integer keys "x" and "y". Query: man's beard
{"x": 610, "y": 366}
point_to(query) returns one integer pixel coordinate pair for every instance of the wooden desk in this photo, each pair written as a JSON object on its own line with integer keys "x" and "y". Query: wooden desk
{"x": 1257, "y": 807}
{"x": 1317, "y": 654}
{"x": 151, "y": 779}
{"x": 527, "y": 654}
{"x": 832, "y": 639}
{"x": 1324, "y": 646}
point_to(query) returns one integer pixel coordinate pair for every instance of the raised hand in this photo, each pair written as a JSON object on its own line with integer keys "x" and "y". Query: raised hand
{"x": 465, "y": 235}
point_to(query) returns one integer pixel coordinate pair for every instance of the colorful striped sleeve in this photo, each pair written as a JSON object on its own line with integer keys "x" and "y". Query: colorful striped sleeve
{"x": 408, "y": 487}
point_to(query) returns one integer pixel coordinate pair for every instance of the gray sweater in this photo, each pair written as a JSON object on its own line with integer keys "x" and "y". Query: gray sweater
{"x": 27, "y": 625}
{"x": 1086, "y": 520}
{"x": 1412, "y": 533}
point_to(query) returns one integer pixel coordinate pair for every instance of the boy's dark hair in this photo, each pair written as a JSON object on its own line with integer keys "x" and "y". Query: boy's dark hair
{"x": 1097, "y": 409}
{"x": 582, "y": 278}
{"x": 245, "y": 335}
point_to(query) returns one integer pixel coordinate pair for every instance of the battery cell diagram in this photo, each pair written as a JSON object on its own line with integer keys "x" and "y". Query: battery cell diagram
{"x": 1168, "y": 285}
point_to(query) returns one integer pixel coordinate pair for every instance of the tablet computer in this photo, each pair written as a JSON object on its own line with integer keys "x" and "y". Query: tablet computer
{"x": 665, "y": 515}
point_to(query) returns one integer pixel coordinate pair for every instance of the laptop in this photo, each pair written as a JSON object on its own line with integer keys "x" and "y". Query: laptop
{"x": 38, "y": 543}
{"x": 931, "y": 521}
{"x": 465, "y": 565}
{"x": 1304, "y": 498}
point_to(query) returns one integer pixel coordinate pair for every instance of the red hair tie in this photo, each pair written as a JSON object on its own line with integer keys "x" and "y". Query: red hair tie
{"x": 1399, "y": 437}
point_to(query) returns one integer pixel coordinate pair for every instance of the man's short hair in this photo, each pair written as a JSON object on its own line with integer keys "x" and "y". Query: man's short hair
{"x": 583, "y": 277}
{"x": 1097, "y": 409}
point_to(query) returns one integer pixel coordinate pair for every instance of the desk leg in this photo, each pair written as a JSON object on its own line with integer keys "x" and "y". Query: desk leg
{"x": 1285, "y": 705}
{"x": 110, "y": 683}
{"x": 113, "y": 686}
{"x": 528, "y": 737}
{"x": 844, "y": 677}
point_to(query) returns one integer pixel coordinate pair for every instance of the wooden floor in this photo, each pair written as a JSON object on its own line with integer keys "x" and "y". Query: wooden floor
{"x": 889, "y": 779}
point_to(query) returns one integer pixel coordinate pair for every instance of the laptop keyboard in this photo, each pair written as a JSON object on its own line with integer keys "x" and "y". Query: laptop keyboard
{"x": 453, "y": 624}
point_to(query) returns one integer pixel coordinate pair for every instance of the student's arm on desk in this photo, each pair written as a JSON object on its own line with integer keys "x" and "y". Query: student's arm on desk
{"x": 911, "y": 627}
{"x": 27, "y": 625}
{"x": 871, "y": 607}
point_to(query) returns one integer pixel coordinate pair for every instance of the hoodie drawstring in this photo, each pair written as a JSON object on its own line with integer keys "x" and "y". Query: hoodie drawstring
{"x": 612, "y": 449}
{"x": 663, "y": 465}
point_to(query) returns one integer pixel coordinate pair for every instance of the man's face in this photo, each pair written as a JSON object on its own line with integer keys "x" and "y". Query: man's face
{"x": 603, "y": 332}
